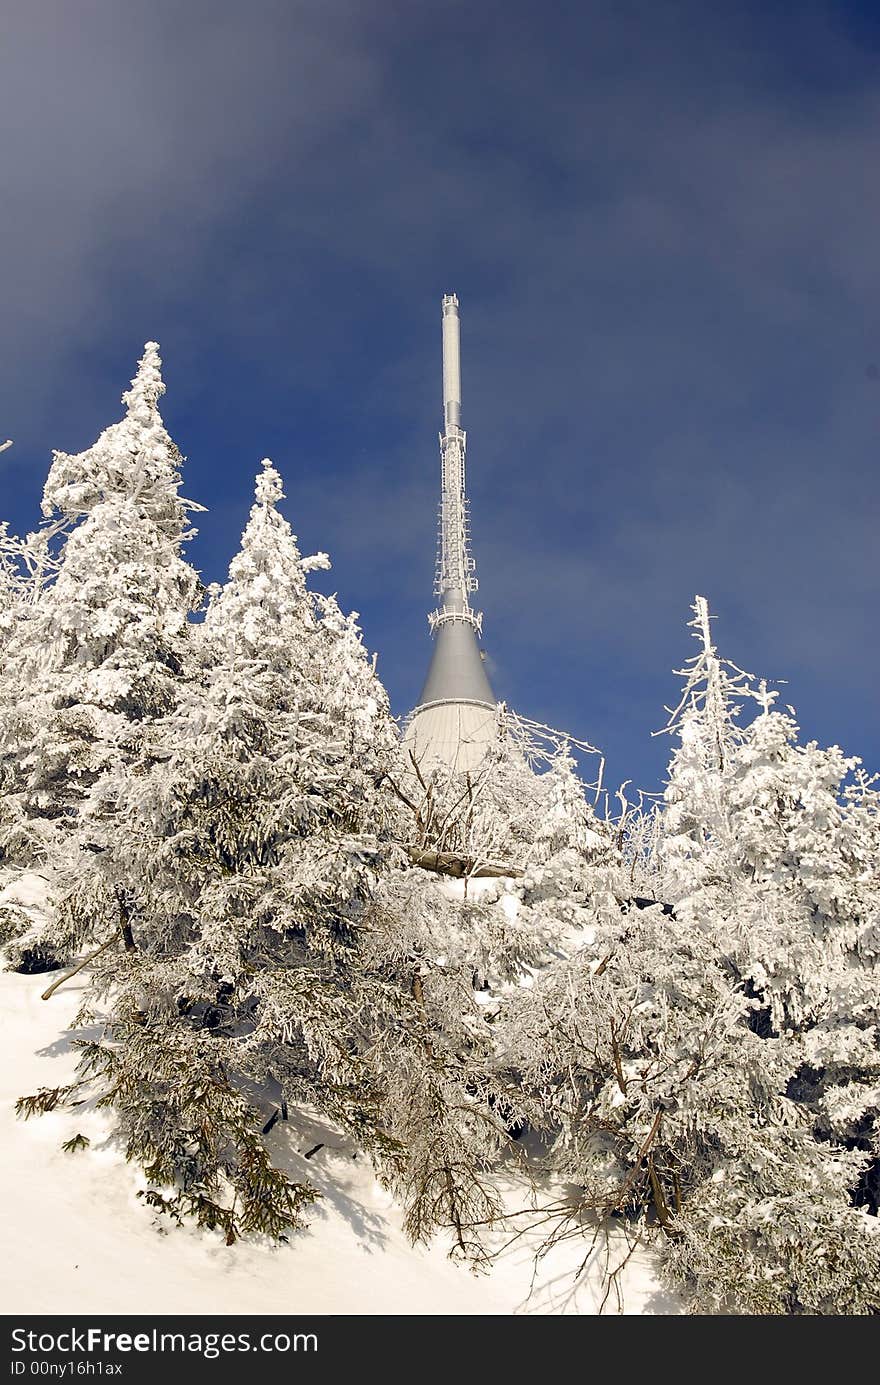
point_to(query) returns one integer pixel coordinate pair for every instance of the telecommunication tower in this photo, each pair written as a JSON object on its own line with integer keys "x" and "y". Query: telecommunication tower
{"x": 454, "y": 721}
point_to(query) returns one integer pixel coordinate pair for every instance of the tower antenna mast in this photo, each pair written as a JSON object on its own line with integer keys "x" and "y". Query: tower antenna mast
{"x": 456, "y": 569}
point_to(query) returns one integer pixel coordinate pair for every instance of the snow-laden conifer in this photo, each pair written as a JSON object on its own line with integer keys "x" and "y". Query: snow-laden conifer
{"x": 250, "y": 839}
{"x": 100, "y": 647}
{"x": 707, "y": 1064}
{"x": 780, "y": 871}
{"x": 793, "y": 898}
{"x": 115, "y": 618}
{"x": 526, "y": 854}
{"x": 697, "y": 836}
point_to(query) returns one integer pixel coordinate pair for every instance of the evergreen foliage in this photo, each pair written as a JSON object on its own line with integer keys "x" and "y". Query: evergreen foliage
{"x": 100, "y": 641}
{"x": 711, "y": 1067}
{"x": 276, "y": 911}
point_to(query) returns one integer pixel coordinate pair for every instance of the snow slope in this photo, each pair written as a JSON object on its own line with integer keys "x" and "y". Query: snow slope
{"x": 78, "y": 1240}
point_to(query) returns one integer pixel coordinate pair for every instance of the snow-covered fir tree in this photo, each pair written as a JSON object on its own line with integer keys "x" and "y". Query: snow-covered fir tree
{"x": 697, "y": 838}
{"x": 100, "y": 646}
{"x": 794, "y": 897}
{"x": 244, "y": 839}
{"x": 756, "y": 1162}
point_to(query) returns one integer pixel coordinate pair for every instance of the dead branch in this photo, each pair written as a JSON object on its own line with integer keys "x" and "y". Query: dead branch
{"x": 460, "y": 867}
{"x": 633, "y": 1173}
{"x": 404, "y": 798}
{"x": 660, "y": 1205}
{"x": 79, "y": 966}
{"x": 618, "y": 1065}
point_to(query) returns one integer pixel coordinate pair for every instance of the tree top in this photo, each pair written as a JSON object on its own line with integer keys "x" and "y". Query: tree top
{"x": 269, "y": 488}
{"x": 147, "y": 387}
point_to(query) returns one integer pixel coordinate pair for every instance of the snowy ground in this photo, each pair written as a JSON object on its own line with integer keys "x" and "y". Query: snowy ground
{"x": 78, "y": 1239}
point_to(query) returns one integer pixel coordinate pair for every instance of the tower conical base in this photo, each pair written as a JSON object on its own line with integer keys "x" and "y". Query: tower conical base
{"x": 456, "y": 672}
{"x": 454, "y": 722}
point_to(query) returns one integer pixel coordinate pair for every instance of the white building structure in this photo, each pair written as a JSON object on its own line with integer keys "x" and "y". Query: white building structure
{"x": 454, "y": 721}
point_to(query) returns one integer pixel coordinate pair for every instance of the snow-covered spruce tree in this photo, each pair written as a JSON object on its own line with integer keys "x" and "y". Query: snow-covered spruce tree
{"x": 697, "y": 837}
{"x": 684, "y": 1058}
{"x": 762, "y": 855}
{"x": 454, "y": 1113}
{"x": 801, "y": 922}
{"x": 244, "y": 838}
{"x": 793, "y": 895}
{"x": 101, "y": 646}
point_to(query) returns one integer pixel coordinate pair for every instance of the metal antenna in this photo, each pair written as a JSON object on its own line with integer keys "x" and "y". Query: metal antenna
{"x": 456, "y": 575}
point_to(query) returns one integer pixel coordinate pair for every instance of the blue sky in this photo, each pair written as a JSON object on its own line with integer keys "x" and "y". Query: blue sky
{"x": 663, "y": 224}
